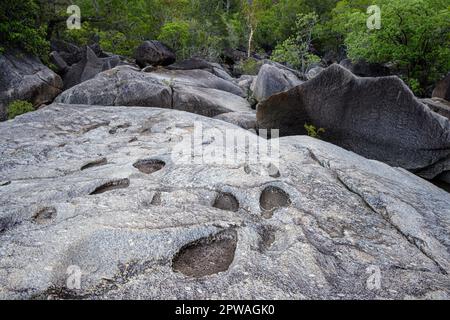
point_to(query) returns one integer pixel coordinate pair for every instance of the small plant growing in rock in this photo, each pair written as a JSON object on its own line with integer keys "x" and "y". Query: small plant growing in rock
{"x": 170, "y": 83}
{"x": 313, "y": 131}
{"x": 249, "y": 66}
{"x": 18, "y": 107}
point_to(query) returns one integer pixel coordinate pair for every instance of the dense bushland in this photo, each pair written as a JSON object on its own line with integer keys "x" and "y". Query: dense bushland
{"x": 414, "y": 38}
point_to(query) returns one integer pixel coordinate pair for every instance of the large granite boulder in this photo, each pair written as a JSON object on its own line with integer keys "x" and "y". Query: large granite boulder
{"x": 196, "y": 91}
{"x": 365, "y": 69}
{"x": 378, "y": 118}
{"x": 77, "y": 64}
{"x": 88, "y": 67}
{"x": 442, "y": 89}
{"x": 197, "y": 78}
{"x": 245, "y": 120}
{"x": 69, "y": 52}
{"x": 99, "y": 203}
{"x": 153, "y": 53}
{"x": 313, "y": 72}
{"x": 201, "y": 64}
{"x": 24, "y": 77}
{"x": 271, "y": 80}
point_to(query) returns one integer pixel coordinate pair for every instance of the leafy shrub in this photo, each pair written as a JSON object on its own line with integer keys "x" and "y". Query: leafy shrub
{"x": 287, "y": 52}
{"x": 19, "y": 28}
{"x": 18, "y": 107}
{"x": 294, "y": 51}
{"x": 313, "y": 132}
{"x": 414, "y": 37}
{"x": 248, "y": 66}
{"x": 176, "y": 35}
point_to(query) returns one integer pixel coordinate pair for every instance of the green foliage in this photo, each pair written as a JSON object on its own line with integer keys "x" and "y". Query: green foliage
{"x": 177, "y": 36}
{"x": 313, "y": 132}
{"x": 295, "y": 50}
{"x": 18, "y": 107}
{"x": 414, "y": 37}
{"x": 248, "y": 66}
{"x": 287, "y": 52}
{"x": 19, "y": 27}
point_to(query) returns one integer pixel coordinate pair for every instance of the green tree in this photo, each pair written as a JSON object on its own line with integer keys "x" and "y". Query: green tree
{"x": 253, "y": 11}
{"x": 414, "y": 37}
{"x": 296, "y": 49}
{"x": 19, "y": 27}
{"x": 176, "y": 35}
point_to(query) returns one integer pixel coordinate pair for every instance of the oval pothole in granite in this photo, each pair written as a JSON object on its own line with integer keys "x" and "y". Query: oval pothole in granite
{"x": 112, "y": 185}
{"x": 206, "y": 256}
{"x": 226, "y": 201}
{"x": 44, "y": 215}
{"x": 273, "y": 198}
{"x": 95, "y": 163}
{"x": 149, "y": 166}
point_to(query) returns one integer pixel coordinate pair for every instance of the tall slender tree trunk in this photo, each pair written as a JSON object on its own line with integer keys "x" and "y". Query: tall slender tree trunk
{"x": 250, "y": 41}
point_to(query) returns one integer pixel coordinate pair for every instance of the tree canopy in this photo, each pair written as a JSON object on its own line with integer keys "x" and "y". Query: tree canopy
{"x": 414, "y": 36}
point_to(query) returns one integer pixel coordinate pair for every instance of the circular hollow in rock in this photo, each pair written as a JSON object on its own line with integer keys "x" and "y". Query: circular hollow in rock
{"x": 273, "y": 198}
{"x": 149, "y": 166}
{"x": 226, "y": 201}
{"x": 206, "y": 256}
{"x": 44, "y": 215}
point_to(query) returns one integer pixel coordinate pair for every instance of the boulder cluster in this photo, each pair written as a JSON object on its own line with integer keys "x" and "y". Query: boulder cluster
{"x": 95, "y": 183}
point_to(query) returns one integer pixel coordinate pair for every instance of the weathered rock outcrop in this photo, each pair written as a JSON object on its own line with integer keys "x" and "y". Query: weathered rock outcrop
{"x": 153, "y": 53}
{"x": 89, "y": 66}
{"x": 196, "y": 91}
{"x": 201, "y": 64}
{"x": 314, "y": 72}
{"x": 378, "y": 118}
{"x": 102, "y": 192}
{"x": 75, "y": 64}
{"x": 366, "y": 69}
{"x": 245, "y": 120}
{"x": 24, "y": 77}
{"x": 442, "y": 89}
{"x": 439, "y": 106}
{"x": 69, "y": 52}
{"x": 271, "y": 80}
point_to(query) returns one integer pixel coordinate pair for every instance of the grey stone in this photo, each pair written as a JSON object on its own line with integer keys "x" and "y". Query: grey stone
{"x": 195, "y": 91}
{"x": 245, "y": 120}
{"x": 196, "y": 78}
{"x": 58, "y": 62}
{"x": 201, "y": 64}
{"x": 365, "y": 69}
{"x": 69, "y": 52}
{"x": 313, "y": 72}
{"x": 272, "y": 80}
{"x": 153, "y": 53}
{"x": 337, "y": 219}
{"x": 86, "y": 69}
{"x": 24, "y": 77}
{"x": 439, "y": 106}
{"x": 246, "y": 82}
{"x": 378, "y": 118}
{"x": 442, "y": 89}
